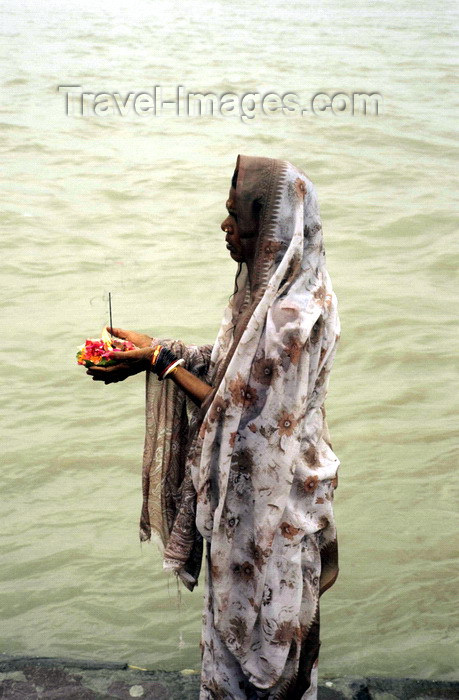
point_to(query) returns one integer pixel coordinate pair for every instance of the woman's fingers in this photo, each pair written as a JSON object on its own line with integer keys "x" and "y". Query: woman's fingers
{"x": 108, "y": 375}
{"x": 128, "y": 355}
{"x": 128, "y": 363}
{"x": 118, "y": 332}
{"x": 96, "y": 370}
{"x": 139, "y": 339}
{"x": 114, "y": 373}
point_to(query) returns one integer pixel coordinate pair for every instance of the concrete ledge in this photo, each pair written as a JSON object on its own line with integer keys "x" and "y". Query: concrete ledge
{"x": 30, "y": 677}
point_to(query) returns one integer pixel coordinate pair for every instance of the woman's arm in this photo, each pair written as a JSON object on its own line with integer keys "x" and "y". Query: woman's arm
{"x": 193, "y": 387}
{"x": 135, "y": 361}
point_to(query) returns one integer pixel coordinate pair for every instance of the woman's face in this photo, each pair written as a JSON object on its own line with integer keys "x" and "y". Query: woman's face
{"x": 241, "y": 249}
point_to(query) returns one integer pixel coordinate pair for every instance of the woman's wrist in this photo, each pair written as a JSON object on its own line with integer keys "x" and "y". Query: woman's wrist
{"x": 146, "y": 359}
{"x": 163, "y": 361}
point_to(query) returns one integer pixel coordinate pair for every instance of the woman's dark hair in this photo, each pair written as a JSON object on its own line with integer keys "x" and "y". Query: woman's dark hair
{"x": 256, "y": 209}
{"x": 236, "y": 289}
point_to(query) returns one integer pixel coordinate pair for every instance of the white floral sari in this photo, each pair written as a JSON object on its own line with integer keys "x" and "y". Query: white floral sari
{"x": 257, "y": 476}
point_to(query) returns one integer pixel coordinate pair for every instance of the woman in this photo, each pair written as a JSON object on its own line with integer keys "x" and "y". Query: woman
{"x": 250, "y": 469}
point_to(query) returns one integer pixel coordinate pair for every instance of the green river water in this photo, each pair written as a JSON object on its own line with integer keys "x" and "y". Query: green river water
{"x": 132, "y": 205}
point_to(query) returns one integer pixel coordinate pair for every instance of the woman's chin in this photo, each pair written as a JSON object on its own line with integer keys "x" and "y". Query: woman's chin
{"x": 237, "y": 257}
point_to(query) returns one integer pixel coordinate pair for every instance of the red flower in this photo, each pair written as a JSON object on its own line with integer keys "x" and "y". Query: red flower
{"x": 97, "y": 352}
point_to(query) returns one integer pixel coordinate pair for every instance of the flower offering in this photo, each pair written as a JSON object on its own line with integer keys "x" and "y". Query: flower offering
{"x": 97, "y": 351}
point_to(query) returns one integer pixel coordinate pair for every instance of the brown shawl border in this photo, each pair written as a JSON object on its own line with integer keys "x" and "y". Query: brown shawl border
{"x": 270, "y": 176}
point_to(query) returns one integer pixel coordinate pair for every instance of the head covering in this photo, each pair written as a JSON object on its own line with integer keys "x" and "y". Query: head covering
{"x": 261, "y": 464}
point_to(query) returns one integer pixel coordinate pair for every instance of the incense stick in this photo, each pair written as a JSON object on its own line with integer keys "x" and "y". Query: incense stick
{"x": 110, "y": 311}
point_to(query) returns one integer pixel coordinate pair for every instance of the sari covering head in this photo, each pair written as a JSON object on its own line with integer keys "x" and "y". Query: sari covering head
{"x": 256, "y": 478}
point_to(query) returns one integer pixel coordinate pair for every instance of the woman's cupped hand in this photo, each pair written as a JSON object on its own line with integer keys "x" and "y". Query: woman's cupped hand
{"x": 129, "y": 362}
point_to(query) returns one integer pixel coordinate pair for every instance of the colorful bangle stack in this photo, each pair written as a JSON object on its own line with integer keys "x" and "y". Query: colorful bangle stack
{"x": 164, "y": 362}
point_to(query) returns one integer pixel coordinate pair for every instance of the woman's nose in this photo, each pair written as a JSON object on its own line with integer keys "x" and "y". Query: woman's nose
{"x": 224, "y": 225}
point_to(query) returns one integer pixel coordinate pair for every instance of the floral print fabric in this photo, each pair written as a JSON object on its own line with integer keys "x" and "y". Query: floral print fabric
{"x": 261, "y": 464}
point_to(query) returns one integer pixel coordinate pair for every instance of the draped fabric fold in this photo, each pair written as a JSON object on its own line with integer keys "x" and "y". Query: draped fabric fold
{"x": 254, "y": 473}
{"x": 169, "y": 498}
